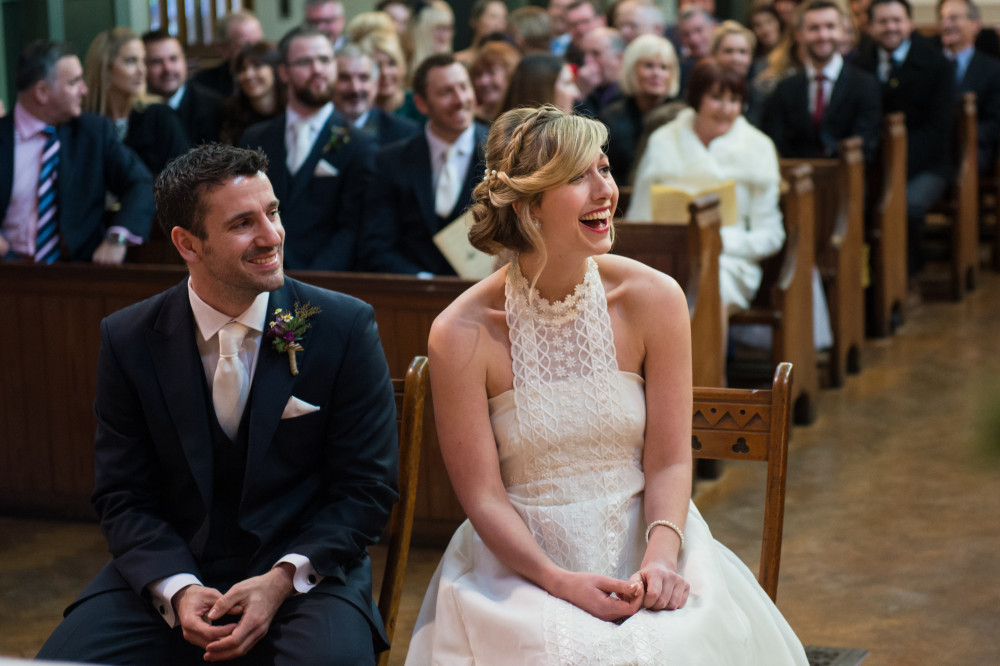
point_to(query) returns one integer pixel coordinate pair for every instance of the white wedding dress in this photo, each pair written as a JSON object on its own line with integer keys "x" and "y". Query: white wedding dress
{"x": 570, "y": 437}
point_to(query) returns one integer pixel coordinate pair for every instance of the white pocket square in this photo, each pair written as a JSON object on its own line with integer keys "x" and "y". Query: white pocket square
{"x": 324, "y": 168}
{"x": 296, "y": 407}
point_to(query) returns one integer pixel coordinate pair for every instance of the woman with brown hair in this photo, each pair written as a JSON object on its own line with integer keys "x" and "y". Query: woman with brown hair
{"x": 542, "y": 78}
{"x": 259, "y": 94}
{"x": 490, "y": 71}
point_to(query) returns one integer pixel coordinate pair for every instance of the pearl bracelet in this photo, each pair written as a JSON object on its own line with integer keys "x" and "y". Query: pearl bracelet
{"x": 665, "y": 523}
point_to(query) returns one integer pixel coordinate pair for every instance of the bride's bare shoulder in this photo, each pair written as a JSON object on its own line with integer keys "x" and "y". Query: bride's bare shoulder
{"x": 479, "y": 307}
{"x": 637, "y": 283}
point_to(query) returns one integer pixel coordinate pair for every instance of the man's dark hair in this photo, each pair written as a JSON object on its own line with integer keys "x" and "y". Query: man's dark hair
{"x": 297, "y": 31}
{"x": 38, "y": 62}
{"x": 875, "y": 3}
{"x": 580, "y": 3}
{"x": 815, "y": 6}
{"x": 429, "y": 63}
{"x": 179, "y": 187}
{"x": 156, "y": 36}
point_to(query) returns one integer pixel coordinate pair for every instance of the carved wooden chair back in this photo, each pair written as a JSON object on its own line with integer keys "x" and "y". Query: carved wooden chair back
{"x": 751, "y": 424}
{"x": 411, "y": 396}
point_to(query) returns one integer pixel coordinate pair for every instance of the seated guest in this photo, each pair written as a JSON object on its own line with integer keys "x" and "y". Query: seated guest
{"x": 259, "y": 94}
{"x": 392, "y": 68}
{"x": 633, "y": 18}
{"x": 783, "y": 61}
{"x": 46, "y": 146}
{"x": 603, "y": 50}
{"x": 238, "y": 496}
{"x": 694, "y": 29}
{"x": 528, "y": 29}
{"x": 650, "y": 76}
{"x": 919, "y": 81}
{"x": 487, "y": 17}
{"x": 328, "y": 17}
{"x": 425, "y": 183}
{"x": 732, "y": 46}
{"x": 431, "y": 30}
{"x": 829, "y": 99}
{"x": 541, "y": 78}
{"x": 974, "y": 72}
{"x": 709, "y": 143}
{"x": 490, "y": 73}
{"x": 232, "y": 32}
{"x": 399, "y": 11}
{"x": 115, "y": 73}
{"x": 199, "y": 109}
{"x": 365, "y": 24}
{"x": 354, "y": 97}
{"x": 319, "y": 165}
{"x": 767, "y": 29}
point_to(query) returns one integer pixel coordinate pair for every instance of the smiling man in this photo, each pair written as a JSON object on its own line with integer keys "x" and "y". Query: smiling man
{"x": 354, "y": 97}
{"x": 319, "y": 165}
{"x": 425, "y": 183}
{"x": 810, "y": 111}
{"x": 215, "y": 461}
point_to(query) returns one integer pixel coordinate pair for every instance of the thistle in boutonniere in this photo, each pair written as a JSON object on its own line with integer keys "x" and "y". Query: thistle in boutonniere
{"x": 287, "y": 329}
{"x": 339, "y": 137}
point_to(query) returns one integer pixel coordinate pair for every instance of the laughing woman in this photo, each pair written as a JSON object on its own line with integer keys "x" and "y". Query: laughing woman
{"x": 562, "y": 393}
{"x": 115, "y": 74}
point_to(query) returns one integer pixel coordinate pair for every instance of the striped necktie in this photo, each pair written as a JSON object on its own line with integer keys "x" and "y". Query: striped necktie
{"x": 47, "y": 238}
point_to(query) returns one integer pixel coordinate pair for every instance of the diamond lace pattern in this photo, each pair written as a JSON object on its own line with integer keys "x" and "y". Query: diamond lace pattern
{"x": 578, "y": 482}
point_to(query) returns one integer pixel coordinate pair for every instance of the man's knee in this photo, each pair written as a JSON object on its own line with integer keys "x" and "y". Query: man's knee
{"x": 318, "y": 629}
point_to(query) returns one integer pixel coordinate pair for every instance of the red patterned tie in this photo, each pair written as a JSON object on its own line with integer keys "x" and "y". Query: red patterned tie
{"x": 820, "y": 108}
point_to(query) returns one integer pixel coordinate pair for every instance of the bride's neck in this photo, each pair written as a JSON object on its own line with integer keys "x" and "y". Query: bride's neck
{"x": 557, "y": 279}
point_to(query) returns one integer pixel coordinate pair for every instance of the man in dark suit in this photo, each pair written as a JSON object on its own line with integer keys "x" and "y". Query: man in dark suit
{"x": 232, "y": 32}
{"x": 237, "y": 497}
{"x": 45, "y": 133}
{"x": 198, "y": 108}
{"x": 354, "y": 97}
{"x": 320, "y": 167}
{"x": 810, "y": 111}
{"x": 425, "y": 183}
{"x": 920, "y": 82}
{"x": 974, "y": 72}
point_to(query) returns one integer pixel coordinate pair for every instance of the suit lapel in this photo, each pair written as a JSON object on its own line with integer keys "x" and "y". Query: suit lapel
{"x": 271, "y": 389}
{"x": 180, "y": 373}
{"x": 6, "y": 161}
{"x": 421, "y": 171}
{"x": 274, "y": 146}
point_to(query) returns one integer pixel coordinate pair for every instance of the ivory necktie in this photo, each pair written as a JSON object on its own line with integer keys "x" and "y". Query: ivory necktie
{"x": 303, "y": 145}
{"x": 47, "y": 238}
{"x": 232, "y": 383}
{"x": 446, "y": 195}
{"x": 820, "y": 108}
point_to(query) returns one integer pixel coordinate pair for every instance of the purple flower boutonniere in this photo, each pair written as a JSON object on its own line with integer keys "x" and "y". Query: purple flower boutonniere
{"x": 339, "y": 137}
{"x": 287, "y": 329}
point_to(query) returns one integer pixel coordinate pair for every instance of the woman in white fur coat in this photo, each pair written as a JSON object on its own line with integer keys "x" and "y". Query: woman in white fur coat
{"x": 709, "y": 143}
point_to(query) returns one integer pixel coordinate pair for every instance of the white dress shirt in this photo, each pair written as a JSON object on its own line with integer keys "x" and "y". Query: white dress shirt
{"x": 830, "y": 74}
{"x": 461, "y": 158}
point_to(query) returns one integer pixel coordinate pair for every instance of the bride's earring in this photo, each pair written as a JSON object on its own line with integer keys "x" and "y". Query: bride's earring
{"x": 537, "y": 222}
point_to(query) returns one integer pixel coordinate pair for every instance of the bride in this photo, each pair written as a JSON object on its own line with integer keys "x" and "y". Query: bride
{"x": 562, "y": 393}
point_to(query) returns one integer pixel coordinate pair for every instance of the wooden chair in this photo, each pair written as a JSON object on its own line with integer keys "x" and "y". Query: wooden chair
{"x": 959, "y": 210}
{"x": 751, "y": 424}
{"x": 411, "y": 395}
{"x": 839, "y": 186}
{"x": 784, "y": 300}
{"x": 886, "y": 233}
{"x": 690, "y": 254}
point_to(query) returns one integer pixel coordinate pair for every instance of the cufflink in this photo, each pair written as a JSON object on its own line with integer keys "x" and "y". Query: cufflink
{"x": 162, "y": 609}
{"x": 311, "y": 578}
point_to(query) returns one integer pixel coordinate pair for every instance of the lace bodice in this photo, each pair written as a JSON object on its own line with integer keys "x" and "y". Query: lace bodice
{"x": 570, "y": 432}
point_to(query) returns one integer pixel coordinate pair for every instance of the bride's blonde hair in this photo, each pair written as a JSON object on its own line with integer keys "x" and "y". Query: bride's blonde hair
{"x": 530, "y": 150}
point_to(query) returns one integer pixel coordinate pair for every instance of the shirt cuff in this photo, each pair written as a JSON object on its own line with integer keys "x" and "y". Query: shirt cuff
{"x": 132, "y": 238}
{"x": 163, "y": 592}
{"x": 305, "y": 577}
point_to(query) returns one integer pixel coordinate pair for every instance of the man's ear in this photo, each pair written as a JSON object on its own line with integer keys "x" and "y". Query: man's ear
{"x": 421, "y": 104}
{"x": 41, "y": 92}
{"x": 283, "y": 73}
{"x": 187, "y": 244}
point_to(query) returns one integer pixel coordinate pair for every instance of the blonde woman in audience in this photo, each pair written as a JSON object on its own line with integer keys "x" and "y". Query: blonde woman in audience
{"x": 115, "y": 73}
{"x": 431, "y": 30}
{"x": 562, "y": 395}
{"x": 733, "y": 46}
{"x": 490, "y": 71}
{"x": 259, "y": 93}
{"x": 768, "y": 28}
{"x": 651, "y": 76}
{"x": 386, "y": 50}
{"x": 487, "y": 17}
{"x": 366, "y": 23}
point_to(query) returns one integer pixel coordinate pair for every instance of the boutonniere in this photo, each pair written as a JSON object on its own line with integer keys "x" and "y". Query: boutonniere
{"x": 339, "y": 137}
{"x": 287, "y": 329}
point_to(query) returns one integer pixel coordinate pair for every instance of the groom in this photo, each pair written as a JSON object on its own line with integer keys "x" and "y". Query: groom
{"x": 237, "y": 497}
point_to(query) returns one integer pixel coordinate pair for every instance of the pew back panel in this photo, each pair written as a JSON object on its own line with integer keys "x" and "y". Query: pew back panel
{"x": 887, "y": 235}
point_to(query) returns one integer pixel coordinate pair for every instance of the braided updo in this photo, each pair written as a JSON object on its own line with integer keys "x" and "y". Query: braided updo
{"x": 529, "y": 151}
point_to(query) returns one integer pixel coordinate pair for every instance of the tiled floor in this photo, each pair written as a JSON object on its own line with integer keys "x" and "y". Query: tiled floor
{"x": 891, "y": 527}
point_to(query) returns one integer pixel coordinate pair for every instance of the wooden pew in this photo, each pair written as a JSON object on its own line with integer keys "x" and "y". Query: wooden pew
{"x": 784, "y": 301}
{"x": 690, "y": 254}
{"x": 839, "y": 187}
{"x": 886, "y": 232}
{"x": 989, "y": 212}
{"x": 960, "y": 208}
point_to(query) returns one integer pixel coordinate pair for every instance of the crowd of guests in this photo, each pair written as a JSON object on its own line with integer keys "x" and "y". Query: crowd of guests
{"x": 374, "y": 127}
